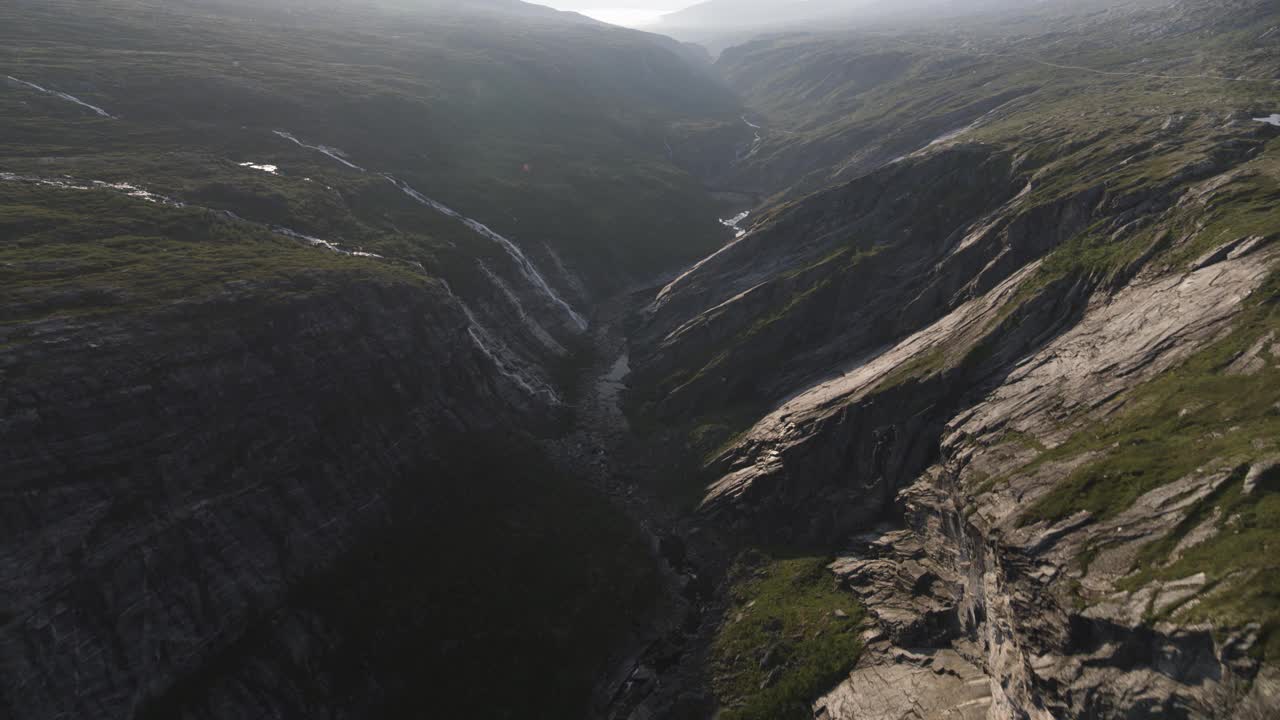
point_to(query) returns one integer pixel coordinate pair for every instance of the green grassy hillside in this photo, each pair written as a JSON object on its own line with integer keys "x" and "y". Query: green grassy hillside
{"x": 139, "y": 240}
{"x": 836, "y": 105}
{"x": 546, "y": 128}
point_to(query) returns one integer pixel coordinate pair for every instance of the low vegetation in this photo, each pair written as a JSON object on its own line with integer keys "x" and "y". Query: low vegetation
{"x": 498, "y": 588}
{"x": 479, "y": 114}
{"x": 1197, "y": 416}
{"x": 789, "y": 635}
{"x": 1209, "y": 415}
{"x": 1241, "y": 561}
{"x": 77, "y": 253}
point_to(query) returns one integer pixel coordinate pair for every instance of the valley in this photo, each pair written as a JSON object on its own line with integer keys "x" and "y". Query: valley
{"x": 427, "y": 359}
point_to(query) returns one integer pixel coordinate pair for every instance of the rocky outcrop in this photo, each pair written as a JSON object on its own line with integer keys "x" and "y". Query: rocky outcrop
{"x": 959, "y": 397}
{"x": 974, "y": 579}
{"x": 170, "y": 478}
{"x": 926, "y": 684}
{"x": 789, "y": 300}
{"x": 945, "y": 589}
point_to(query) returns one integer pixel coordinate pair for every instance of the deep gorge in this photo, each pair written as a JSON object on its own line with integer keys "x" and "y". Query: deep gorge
{"x": 487, "y": 400}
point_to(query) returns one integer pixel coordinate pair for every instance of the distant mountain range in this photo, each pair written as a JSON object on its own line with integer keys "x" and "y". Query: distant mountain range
{"x": 718, "y": 24}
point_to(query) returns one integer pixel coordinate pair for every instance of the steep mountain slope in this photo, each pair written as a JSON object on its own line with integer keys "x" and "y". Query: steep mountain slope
{"x": 314, "y": 338}
{"x": 834, "y": 106}
{"x": 290, "y": 298}
{"x": 481, "y": 111}
{"x": 763, "y": 15}
{"x": 1019, "y": 382}
{"x": 720, "y": 25}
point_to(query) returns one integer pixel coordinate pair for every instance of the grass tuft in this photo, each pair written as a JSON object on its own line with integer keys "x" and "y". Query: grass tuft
{"x": 790, "y": 635}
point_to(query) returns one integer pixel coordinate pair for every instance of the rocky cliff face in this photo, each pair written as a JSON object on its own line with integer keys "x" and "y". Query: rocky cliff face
{"x": 165, "y": 495}
{"x": 1058, "y": 638}
{"x": 264, "y": 498}
{"x": 807, "y": 264}
{"x": 1019, "y": 387}
{"x": 289, "y": 442}
{"x": 285, "y": 326}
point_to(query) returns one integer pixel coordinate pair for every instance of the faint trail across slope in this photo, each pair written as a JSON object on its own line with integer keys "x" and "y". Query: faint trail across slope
{"x": 1155, "y": 76}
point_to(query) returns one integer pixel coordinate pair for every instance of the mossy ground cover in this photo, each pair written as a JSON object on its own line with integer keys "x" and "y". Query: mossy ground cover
{"x": 1127, "y": 137}
{"x": 498, "y": 588}
{"x": 1056, "y": 76}
{"x": 548, "y": 131}
{"x": 1195, "y": 416}
{"x": 1241, "y": 561}
{"x": 789, "y": 635}
{"x": 80, "y": 253}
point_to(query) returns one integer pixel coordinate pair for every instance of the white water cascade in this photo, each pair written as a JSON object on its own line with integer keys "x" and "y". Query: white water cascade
{"x": 332, "y": 152}
{"x": 531, "y": 324}
{"x": 522, "y": 261}
{"x": 64, "y": 96}
{"x": 506, "y": 361}
{"x": 527, "y": 268}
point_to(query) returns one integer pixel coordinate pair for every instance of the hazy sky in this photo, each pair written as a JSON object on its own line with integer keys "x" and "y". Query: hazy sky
{"x": 633, "y": 13}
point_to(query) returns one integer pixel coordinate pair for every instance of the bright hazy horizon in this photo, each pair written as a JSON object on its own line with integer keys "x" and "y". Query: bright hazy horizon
{"x": 628, "y": 13}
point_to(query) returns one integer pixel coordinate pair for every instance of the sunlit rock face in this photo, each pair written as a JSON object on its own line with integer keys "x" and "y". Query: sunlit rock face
{"x": 985, "y": 381}
{"x": 372, "y": 366}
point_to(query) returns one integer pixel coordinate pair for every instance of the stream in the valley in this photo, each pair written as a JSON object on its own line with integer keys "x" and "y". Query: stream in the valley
{"x": 662, "y": 666}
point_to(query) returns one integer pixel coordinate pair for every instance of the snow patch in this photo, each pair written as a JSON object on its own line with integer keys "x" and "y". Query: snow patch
{"x": 735, "y": 223}
{"x": 269, "y": 169}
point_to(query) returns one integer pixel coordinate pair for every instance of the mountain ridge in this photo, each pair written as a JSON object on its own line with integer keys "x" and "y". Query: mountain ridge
{"x": 985, "y": 369}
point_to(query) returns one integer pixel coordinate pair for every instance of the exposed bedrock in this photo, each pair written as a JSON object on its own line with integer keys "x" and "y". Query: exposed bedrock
{"x": 966, "y": 574}
{"x": 916, "y": 381}
{"x": 170, "y": 478}
{"x": 848, "y": 270}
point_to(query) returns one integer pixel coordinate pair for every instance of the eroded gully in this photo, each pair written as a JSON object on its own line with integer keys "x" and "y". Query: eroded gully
{"x": 661, "y": 669}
